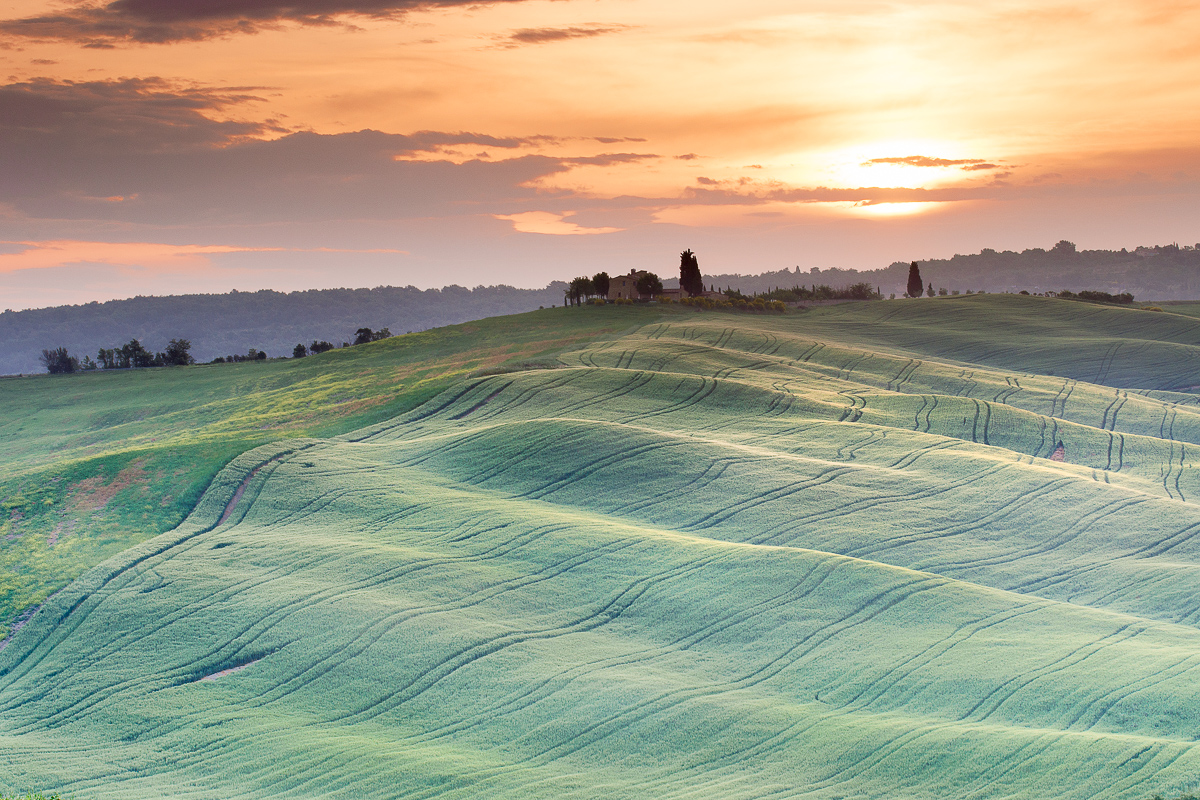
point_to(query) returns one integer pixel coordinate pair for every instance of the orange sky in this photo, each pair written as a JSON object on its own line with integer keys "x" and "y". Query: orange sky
{"x": 250, "y": 143}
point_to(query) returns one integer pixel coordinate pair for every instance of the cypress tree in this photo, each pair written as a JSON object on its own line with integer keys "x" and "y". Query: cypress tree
{"x": 690, "y": 279}
{"x": 916, "y": 287}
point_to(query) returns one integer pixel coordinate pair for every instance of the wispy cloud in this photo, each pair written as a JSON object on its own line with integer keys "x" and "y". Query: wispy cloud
{"x": 24, "y": 255}
{"x": 162, "y": 21}
{"x": 550, "y": 223}
{"x": 926, "y": 161}
{"x": 526, "y": 36}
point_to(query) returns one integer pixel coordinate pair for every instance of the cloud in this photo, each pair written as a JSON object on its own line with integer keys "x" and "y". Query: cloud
{"x": 25, "y": 255}
{"x": 550, "y": 223}
{"x": 162, "y": 21}
{"x": 146, "y": 114}
{"x": 149, "y": 151}
{"x": 926, "y": 161}
{"x": 525, "y": 36}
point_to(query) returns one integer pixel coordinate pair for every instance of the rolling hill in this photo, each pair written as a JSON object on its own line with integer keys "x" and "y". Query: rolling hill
{"x": 918, "y": 549}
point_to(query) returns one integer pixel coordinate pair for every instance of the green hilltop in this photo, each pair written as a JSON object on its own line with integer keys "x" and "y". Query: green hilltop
{"x": 922, "y": 549}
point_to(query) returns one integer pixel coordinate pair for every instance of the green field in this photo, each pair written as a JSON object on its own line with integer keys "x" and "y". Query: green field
{"x": 93, "y": 463}
{"x": 677, "y": 554}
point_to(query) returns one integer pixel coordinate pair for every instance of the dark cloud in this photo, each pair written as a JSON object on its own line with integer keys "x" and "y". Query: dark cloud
{"x": 926, "y": 161}
{"x": 687, "y": 157}
{"x": 151, "y": 152}
{"x": 148, "y": 114}
{"x": 546, "y": 35}
{"x": 159, "y": 21}
{"x": 615, "y": 139}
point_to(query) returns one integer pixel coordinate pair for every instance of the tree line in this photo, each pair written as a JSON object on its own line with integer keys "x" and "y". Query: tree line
{"x": 816, "y": 292}
{"x": 219, "y": 324}
{"x": 133, "y": 355}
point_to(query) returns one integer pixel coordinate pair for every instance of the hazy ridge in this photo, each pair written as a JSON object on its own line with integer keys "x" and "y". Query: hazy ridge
{"x": 274, "y": 322}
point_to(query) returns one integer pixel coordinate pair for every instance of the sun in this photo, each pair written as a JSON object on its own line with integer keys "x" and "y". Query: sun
{"x": 891, "y": 209}
{"x": 866, "y": 165}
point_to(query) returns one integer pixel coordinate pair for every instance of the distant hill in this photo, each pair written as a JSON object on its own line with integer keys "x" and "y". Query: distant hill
{"x": 1166, "y": 272}
{"x": 273, "y": 322}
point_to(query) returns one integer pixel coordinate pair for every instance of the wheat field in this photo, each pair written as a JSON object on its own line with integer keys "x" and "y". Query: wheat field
{"x": 911, "y": 549}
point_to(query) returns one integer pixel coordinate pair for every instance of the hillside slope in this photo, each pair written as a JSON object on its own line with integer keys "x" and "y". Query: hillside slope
{"x": 818, "y": 555}
{"x": 93, "y": 463}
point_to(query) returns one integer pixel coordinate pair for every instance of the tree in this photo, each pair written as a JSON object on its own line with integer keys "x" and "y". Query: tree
{"x": 579, "y": 289}
{"x": 930, "y": 292}
{"x": 363, "y": 335}
{"x": 58, "y": 361}
{"x": 649, "y": 285}
{"x": 317, "y": 348}
{"x": 915, "y": 285}
{"x": 601, "y": 283}
{"x": 177, "y": 354}
{"x": 1064, "y": 249}
{"x": 133, "y": 356}
{"x": 690, "y": 279}
{"x": 299, "y": 351}
{"x": 381, "y": 334}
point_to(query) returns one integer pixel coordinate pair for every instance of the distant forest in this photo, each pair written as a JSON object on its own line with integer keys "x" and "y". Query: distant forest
{"x": 1165, "y": 272}
{"x": 219, "y": 325}
{"x": 274, "y": 322}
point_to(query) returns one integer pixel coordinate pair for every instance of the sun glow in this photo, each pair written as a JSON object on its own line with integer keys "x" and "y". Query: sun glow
{"x": 902, "y": 163}
{"x": 891, "y": 209}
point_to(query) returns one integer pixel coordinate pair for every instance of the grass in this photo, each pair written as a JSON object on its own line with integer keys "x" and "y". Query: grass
{"x": 823, "y": 555}
{"x": 93, "y": 463}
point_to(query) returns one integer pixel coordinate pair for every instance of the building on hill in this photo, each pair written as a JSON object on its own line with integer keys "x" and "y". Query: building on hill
{"x": 624, "y": 287}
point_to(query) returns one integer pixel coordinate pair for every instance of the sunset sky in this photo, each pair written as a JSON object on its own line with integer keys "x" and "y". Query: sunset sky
{"x": 169, "y": 146}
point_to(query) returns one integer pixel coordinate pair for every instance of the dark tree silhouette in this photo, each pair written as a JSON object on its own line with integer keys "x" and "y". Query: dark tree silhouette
{"x": 649, "y": 285}
{"x": 299, "y": 351}
{"x": 601, "y": 284}
{"x": 177, "y": 354}
{"x": 579, "y": 289}
{"x": 363, "y": 335}
{"x": 915, "y": 285}
{"x": 58, "y": 361}
{"x": 133, "y": 356}
{"x": 317, "y": 348}
{"x": 930, "y": 292}
{"x": 690, "y": 279}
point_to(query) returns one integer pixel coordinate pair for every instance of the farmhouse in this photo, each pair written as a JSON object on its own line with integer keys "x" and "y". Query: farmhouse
{"x": 624, "y": 286}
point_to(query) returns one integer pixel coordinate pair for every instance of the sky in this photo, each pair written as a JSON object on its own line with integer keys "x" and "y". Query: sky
{"x": 177, "y": 146}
